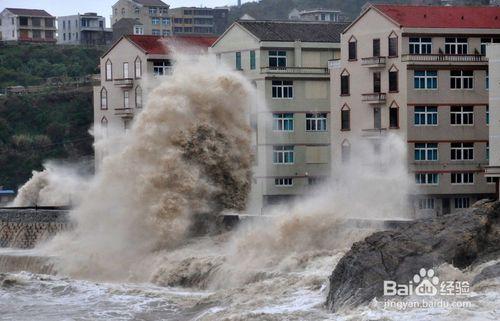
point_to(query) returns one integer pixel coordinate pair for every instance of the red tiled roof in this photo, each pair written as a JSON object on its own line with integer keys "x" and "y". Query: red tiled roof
{"x": 443, "y": 16}
{"x": 158, "y": 45}
{"x": 29, "y": 12}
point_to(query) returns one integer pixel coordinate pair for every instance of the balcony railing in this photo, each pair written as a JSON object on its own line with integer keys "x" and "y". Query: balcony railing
{"x": 443, "y": 58}
{"x": 373, "y": 61}
{"x": 296, "y": 70}
{"x": 373, "y": 132}
{"x": 124, "y": 82}
{"x": 374, "y": 98}
{"x": 124, "y": 112}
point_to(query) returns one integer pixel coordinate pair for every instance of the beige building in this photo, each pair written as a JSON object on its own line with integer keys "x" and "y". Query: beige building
{"x": 199, "y": 21}
{"x": 420, "y": 72}
{"x": 287, "y": 61}
{"x": 151, "y": 16}
{"x": 27, "y": 25}
{"x": 130, "y": 69}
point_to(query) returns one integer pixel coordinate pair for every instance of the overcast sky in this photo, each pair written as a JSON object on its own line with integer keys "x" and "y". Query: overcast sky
{"x": 102, "y": 7}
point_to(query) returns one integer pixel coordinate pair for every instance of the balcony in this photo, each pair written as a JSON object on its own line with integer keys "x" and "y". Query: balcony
{"x": 124, "y": 112}
{"x": 374, "y": 98}
{"x": 295, "y": 70}
{"x": 373, "y": 133}
{"x": 373, "y": 62}
{"x": 443, "y": 58}
{"x": 124, "y": 82}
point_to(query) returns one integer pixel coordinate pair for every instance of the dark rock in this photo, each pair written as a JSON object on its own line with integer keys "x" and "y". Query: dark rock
{"x": 460, "y": 239}
{"x": 489, "y": 272}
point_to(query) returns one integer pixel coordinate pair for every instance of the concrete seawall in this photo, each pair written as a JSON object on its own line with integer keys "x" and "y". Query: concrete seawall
{"x": 25, "y": 227}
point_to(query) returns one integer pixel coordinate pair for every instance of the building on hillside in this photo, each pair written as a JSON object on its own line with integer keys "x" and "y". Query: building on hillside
{"x": 288, "y": 63}
{"x": 317, "y": 15}
{"x": 83, "y": 29}
{"x": 151, "y": 16}
{"x": 420, "y": 72}
{"x": 199, "y": 21}
{"x": 6, "y": 196}
{"x": 493, "y": 170}
{"x": 130, "y": 69}
{"x": 27, "y": 25}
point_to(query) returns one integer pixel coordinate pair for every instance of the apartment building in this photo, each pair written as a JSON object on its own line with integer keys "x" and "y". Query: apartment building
{"x": 420, "y": 72}
{"x": 83, "y": 29}
{"x": 151, "y": 16}
{"x": 201, "y": 21}
{"x": 317, "y": 15}
{"x": 27, "y": 25}
{"x": 493, "y": 170}
{"x": 287, "y": 61}
{"x": 130, "y": 69}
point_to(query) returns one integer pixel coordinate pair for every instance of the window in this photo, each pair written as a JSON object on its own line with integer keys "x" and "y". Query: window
{"x": 487, "y": 80}
{"x": 426, "y": 178}
{"x": 376, "y": 47}
{"x": 109, "y": 70}
{"x": 462, "y": 151}
{"x": 345, "y": 118}
{"x": 461, "y": 79}
{"x": 104, "y": 125}
{"x": 125, "y": 99}
{"x": 64, "y": 36}
{"x": 277, "y": 58}
{"x": 152, "y": 10}
{"x": 137, "y": 10}
{"x": 353, "y": 49}
{"x": 377, "y": 118}
{"x": 462, "y": 202}
{"x": 426, "y": 151}
{"x": 462, "y": 115}
{"x": 283, "y": 181}
{"x": 487, "y": 152}
{"x": 346, "y": 151}
{"x": 252, "y": 60}
{"x": 344, "y": 83}
{"x": 426, "y": 204}
{"x": 425, "y": 79}
{"x": 165, "y": 33}
{"x": 282, "y": 89}
{"x": 455, "y": 46}
{"x": 125, "y": 70}
{"x": 138, "y": 97}
{"x": 487, "y": 115}
{"x": 69, "y": 36}
{"x": 491, "y": 180}
{"x": 485, "y": 42}
{"x": 138, "y": 67}
{"x": 162, "y": 68}
{"x": 376, "y": 82}
{"x": 123, "y": 11}
{"x": 283, "y": 122}
{"x": 420, "y": 46}
{"x": 316, "y": 122}
{"x": 165, "y": 21}
{"x": 156, "y": 32}
{"x": 283, "y": 154}
{"x": 393, "y": 81}
{"x": 238, "y": 60}
{"x": 393, "y": 46}
{"x": 104, "y": 98}
{"x": 394, "y": 117}
{"x": 64, "y": 24}
{"x": 425, "y": 115}
{"x": 462, "y": 178}
{"x": 138, "y": 30}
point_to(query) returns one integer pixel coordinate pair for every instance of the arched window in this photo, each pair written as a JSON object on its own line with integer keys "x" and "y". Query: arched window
{"x": 138, "y": 97}
{"x": 138, "y": 67}
{"x": 345, "y": 118}
{"x": 344, "y": 83}
{"x": 353, "y": 50}
{"x": 393, "y": 79}
{"x": 104, "y": 98}
{"x": 123, "y": 11}
{"x": 346, "y": 151}
{"x": 109, "y": 70}
{"x": 394, "y": 115}
{"x": 104, "y": 125}
{"x": 393, "y": 45}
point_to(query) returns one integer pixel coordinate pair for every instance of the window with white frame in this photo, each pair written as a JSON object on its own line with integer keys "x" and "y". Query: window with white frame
{"x": 283, "y": 122}
{"x": 138, "y": 97}
{"x": 487, "y": 41}
{"x": 138, "y": 67}
{"x": 316, "y": 122}
{"x": 283, "y": 181}
{"x": 420, "y": 45}
{"x": 425, "y": 79}
{"x": 155, "y": 21}
{"x": 109, "y": 70}
{"x": 426, "y": 178}
{"x": 491, "y": 180}
{"x": 425, "y": 116}
{"x": 461, "y": 79}
{"x": 462, "y": 151}
{"x": 462, "y": 178}
{"x": 162, "y": 68}
{"x": 125, "y": 70}
{"x": 152, "y": 10}
{"x": 104, "y": 98}
{"x": 426, "y": 151}
{"x": 282, "y": 89}
{"x": 426, "y": 204}
{"x": 462, "y": 115}
{"x": 277, "y": 58}
{"x": 138, "y": 30}
{"x": 283, "y": 154}
{"x": 156, "y": 32}
{"x": 126, "y": 99}
{"x": 455, "y": 46}
{"x": 462, "y": 202}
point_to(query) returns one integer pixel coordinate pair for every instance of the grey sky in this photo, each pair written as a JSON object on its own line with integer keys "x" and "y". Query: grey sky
{"x": 102, "y": 7}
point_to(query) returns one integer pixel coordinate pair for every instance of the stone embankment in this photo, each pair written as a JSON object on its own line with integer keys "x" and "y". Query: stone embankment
{"x": 25, "y": 227}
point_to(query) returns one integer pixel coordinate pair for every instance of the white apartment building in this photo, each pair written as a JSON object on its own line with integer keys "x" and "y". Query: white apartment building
{"x": 420, "y": 72}
{"x": 287, "y": 61}
{"x": 84, "y": 29}
{"x": 27, "y": 25}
